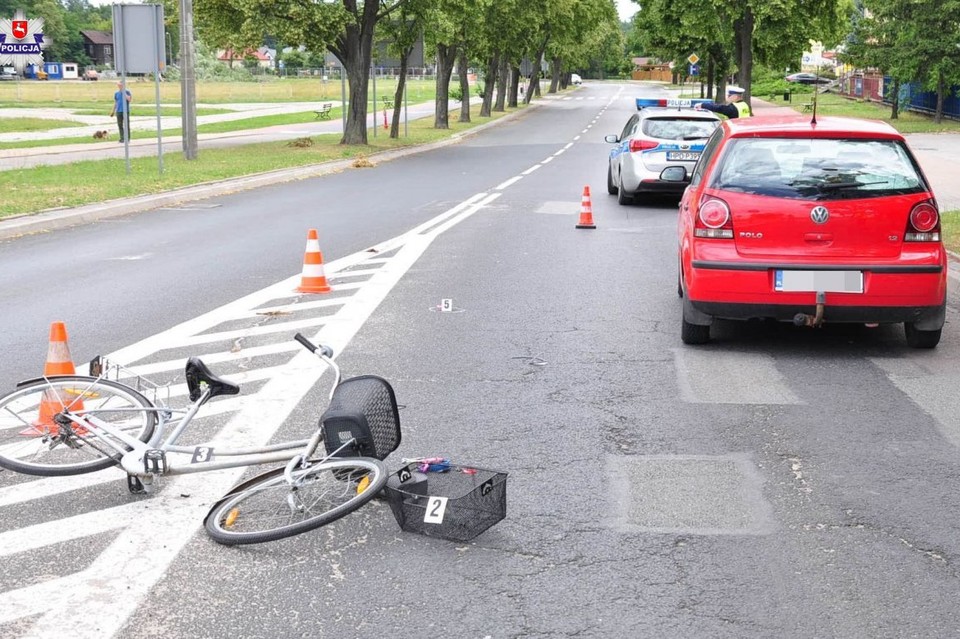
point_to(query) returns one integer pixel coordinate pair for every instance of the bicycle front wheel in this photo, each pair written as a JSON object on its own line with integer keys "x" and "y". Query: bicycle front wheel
{"x": 36, "y": 439}
{"x": 269, "y": 507}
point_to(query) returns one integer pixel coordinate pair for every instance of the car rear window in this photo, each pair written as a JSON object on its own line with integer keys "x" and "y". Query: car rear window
{"x": 818, "y": 169}
{"x": 679, "y": 128}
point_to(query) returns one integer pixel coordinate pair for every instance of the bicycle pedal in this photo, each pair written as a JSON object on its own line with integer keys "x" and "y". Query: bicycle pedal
{"x": 135, "y": 486}
{"x": 154, "y": 462}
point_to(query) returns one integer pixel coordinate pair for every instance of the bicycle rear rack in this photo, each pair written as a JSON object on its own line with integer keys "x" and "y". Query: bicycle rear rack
{"x": 158, "y": 394}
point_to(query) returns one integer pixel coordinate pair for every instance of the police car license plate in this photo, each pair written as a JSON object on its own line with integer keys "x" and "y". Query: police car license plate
{"x": 683, "y": 155}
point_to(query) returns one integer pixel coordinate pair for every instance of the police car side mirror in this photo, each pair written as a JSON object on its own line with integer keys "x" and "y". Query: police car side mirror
{"x": 612, "y": 139}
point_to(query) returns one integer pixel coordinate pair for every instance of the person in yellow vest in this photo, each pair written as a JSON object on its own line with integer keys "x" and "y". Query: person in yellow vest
{"x": 734, "y": 107}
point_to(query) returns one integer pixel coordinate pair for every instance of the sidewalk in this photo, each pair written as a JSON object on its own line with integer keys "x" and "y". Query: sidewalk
{"x": 23, "y": 158}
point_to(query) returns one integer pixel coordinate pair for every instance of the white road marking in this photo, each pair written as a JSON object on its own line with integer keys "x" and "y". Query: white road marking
{"x": 507, "y": 183}
{"x": 932, "y": 384}
{"x": 717, "y": 377}
{"x": 532, "y": 169}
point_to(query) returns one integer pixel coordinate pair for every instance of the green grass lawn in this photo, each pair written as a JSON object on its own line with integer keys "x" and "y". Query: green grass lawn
{"x": 28, "y": 125}
{"x": 40, "y": 188}
{"x": 950, "y": 227}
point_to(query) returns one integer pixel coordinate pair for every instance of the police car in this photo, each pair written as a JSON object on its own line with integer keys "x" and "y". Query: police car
{"x": 664, "y": 132}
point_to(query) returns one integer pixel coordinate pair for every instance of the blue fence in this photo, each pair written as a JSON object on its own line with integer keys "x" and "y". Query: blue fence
{"x": 914, "y": 98}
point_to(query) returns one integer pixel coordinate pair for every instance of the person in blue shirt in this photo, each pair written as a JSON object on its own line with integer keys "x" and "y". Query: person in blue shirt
{"x": 734, "y": 107}
{"x": 121, "y": 108}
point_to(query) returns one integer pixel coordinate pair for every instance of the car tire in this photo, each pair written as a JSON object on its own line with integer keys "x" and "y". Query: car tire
{"x": 917, "y": 338}
{"x": 622, "y": 198}
{"x": 693, "y": 333}
{"x": 611, "y": 187}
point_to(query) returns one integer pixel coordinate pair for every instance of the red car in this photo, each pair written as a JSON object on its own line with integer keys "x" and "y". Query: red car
{"x": 810, "y": 221}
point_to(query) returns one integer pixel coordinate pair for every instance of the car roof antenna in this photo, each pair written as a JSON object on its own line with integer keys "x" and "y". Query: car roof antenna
{"x": 816, "y": 92}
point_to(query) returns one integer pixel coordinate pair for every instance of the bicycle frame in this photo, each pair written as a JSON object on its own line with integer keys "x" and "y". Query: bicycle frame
{"x": 144, "y": 460}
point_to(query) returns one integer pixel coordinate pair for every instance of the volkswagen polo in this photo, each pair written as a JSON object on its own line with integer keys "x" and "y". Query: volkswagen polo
{"x": 810, "y": 221}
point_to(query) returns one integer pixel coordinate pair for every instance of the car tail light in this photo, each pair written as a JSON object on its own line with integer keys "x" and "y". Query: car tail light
{"x": 924, "y": 225}
{"x": 642, "y": 145}
{"x": 713, "y": 220}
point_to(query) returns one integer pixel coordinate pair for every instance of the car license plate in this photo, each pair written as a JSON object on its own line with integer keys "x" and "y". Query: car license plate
{"x": 692, "y": 156}
{"x": 816, "y": 281}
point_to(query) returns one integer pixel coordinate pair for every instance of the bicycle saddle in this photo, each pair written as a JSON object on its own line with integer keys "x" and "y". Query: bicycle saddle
{"x": 197, "y": 373}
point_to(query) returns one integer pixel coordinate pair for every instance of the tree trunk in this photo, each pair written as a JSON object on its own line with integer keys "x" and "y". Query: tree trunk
{"x": 502, "y": 76}
{"x": 446, "y": 55}
{"x": 941, "y": 91}
{"x": 514, "y": 86}
{"x": 464, "y": 73}
{"x": 745, "y": 43}
{"x": 398, "y": 96}
{"x": 353, "y": 49}
{"x": 489, "y": 79}
{"x": 895, "y": 100}
{"x": 534, "y": 85}
{"x": 554, "y": 75}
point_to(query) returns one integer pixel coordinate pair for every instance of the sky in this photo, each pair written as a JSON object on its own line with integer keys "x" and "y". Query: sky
{"x": 627, "y": 8}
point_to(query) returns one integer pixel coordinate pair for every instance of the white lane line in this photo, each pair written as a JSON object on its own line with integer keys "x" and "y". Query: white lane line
{"x": 97, "y": 602}
{"x": 560, "y": 152}
{"x": 577, "y": 137}
{"x": 507, "y": 183}
{"x": 585, "y": 130}
{"x": 146, "y": 370}
{"x": 532, "y": 169}
{"x": 569, "y": 144}
{"x": 49, "y": 486}
{"x": 548, "y": 160}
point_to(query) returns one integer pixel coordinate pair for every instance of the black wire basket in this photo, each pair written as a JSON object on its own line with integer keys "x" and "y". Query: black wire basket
{"x": 456, "y": 504}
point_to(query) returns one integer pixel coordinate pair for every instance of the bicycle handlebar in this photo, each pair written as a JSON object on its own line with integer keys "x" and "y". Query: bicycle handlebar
{"x": 326, "y": 351}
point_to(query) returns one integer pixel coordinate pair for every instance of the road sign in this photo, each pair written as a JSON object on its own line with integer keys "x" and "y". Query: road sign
{"x": 693, "y": 59}
{"x": 694, "y": 69}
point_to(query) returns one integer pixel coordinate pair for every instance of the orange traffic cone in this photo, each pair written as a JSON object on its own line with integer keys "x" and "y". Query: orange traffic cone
{"x": 58, "y": 363}
{"x": 586, "y": 211}
{"x": 313, "y": 279}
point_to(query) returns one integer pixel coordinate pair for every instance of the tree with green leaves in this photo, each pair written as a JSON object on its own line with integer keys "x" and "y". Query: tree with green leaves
{"x": 346, "y": 28}
{"x": 403, "y": 30}
{"x": 910, "y": 41}
{"x": 733, "y": 35}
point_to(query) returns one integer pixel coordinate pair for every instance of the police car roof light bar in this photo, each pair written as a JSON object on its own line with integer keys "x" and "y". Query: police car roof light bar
{"x": 677, "y": 103}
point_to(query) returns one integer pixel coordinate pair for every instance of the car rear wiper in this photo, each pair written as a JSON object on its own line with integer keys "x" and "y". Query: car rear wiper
{"x": 836, "y": 186}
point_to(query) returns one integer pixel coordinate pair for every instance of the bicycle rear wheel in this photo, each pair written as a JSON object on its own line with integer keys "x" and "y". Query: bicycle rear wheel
{"x": 268, "y": 507}
{"x": 33, "y": 442}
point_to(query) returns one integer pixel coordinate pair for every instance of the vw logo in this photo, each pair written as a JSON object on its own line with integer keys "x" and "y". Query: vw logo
{"x": 819, "y": 214}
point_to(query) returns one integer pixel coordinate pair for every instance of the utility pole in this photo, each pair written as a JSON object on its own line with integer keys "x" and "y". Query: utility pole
{"x": 188, "y": 88}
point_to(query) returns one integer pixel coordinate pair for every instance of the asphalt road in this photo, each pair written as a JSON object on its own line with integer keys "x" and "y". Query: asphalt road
{"x": 776, "y": 482}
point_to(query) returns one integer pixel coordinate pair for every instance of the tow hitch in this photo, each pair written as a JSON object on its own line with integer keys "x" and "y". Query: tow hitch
{"x": 815, "y": 320}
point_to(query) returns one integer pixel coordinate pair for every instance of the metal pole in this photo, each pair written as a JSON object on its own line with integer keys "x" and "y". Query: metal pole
{"x": 158, "y": 17}
{"x": 121, "y": 60}
{"x": 405, "y": 114}
{"x": 373, "y": 74}
{"x": 188, "y": 87}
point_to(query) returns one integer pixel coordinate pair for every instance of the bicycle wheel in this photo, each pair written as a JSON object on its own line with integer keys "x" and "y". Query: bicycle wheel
{"x": 34, "y": 443}
{"x": 268, "y": 507}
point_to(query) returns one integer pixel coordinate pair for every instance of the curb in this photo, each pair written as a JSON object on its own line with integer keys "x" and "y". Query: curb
{"x": 54, "y": 219}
